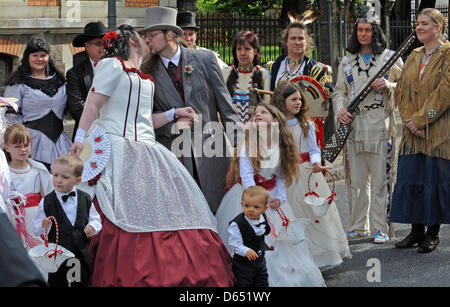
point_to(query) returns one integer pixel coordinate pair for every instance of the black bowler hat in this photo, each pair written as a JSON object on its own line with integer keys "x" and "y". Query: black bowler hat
{"x": 186, "y": 20}
{"x": 91, "y": 30}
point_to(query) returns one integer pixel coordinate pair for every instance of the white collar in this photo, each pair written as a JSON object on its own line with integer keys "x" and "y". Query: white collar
{"x": 61, "y": 194}
{"x": 92, "y": 63}
{"x": 254, "y": 222}
{"x": 175, "y": 59}
{"x": 292, "y": 122}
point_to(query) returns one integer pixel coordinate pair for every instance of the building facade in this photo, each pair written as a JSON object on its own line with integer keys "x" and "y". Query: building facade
{"x": 59, "y": 21}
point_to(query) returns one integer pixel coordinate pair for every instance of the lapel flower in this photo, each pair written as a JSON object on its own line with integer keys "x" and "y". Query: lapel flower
{"x": 188, "y": 69}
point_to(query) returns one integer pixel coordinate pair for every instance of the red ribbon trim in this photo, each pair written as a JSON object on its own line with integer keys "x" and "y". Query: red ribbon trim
{"x": 136, "y": 71}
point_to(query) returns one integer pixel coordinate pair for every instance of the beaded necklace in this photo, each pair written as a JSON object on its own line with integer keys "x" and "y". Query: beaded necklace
{"x": 425, "y": 59}
{"x": 241, "y": 98}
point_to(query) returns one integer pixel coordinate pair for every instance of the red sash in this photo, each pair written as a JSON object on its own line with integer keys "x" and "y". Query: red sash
{"x": 268, "y": 184}
{"x": 305, "y": 157}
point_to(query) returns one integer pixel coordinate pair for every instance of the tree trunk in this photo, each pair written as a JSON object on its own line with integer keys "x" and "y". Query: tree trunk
{"x": 426, "y": 4}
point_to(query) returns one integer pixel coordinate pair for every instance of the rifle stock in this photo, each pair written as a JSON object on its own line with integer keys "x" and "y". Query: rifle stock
{"x": 336, "y": 141}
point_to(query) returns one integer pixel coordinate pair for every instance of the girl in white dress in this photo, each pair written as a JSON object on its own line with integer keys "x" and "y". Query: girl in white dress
{"x": 288, "y": 263}
{"x": 30, "y": 181}
{"x": 328, "y": 240}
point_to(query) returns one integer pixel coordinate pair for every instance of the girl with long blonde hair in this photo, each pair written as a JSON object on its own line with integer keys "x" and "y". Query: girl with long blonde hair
{"x": 268, "y": 158}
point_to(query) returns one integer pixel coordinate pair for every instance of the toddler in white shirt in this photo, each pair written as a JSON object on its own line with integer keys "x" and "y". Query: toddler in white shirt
{"x": 246, "y": 238}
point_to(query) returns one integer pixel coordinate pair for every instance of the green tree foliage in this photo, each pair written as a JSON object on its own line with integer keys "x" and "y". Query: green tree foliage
{"x": 243, "y": 7}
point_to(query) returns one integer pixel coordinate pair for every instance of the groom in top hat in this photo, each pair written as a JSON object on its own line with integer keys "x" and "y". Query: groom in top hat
{"x": 79, "y": 78}
{"x": 186, "y": 77}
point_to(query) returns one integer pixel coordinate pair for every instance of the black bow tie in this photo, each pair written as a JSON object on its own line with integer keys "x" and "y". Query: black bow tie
{"x": 259, "y": 224}
{"x": 65, "y": 197}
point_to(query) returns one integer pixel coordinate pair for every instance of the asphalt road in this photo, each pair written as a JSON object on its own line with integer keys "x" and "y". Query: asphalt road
{"x": 397, "y": 268}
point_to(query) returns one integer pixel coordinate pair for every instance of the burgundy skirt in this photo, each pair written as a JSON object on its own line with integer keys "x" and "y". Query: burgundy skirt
{"x": 182, "y": 258}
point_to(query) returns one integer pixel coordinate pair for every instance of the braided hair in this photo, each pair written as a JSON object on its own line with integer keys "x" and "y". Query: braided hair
{"x": 116, "y": 42}
{"x": 438, "y": 19}
{"x": 240, "y": 39}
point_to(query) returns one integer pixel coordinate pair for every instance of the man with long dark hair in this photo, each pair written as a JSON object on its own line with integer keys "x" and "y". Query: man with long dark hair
{"x": 373, "y": 131}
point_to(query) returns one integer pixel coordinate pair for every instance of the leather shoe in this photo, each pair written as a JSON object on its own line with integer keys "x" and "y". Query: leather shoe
{"x": 410, "y": 241}
{"x": 428, "y": 245}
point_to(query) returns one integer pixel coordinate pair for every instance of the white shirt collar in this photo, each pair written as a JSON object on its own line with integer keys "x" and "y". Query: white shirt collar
{"x": 292, "y": 122}
{"x": 59, "y": 194}
{"x": 175, "y": 59}
{"x": 254, "y": 222}
{"x": 92, "y": 63}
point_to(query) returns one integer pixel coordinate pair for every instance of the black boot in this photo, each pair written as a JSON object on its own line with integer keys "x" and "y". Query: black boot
{"x": 431, "y": 240}
{"x": 416, "y": 236}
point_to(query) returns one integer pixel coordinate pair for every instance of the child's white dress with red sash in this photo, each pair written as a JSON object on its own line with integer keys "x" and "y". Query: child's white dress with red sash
{"x": 328, "y": 240}
{"x": 288, "y": 265}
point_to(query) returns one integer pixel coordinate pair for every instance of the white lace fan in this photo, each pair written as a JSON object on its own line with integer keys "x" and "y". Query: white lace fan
{"x": 319, "y": 204}
{"x": 50, "y": 256}
{"x": 95, "y": 154}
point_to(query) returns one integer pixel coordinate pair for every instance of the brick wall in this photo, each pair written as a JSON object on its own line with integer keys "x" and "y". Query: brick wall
{"x": 141, "y": 3}
{"x": 43, "y": 2}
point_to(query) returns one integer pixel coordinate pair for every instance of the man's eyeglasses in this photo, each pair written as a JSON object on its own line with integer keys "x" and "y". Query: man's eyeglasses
{"x": 150, "y": 35}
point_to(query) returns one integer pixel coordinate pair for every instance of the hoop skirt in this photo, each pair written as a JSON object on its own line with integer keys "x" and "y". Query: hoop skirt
{"x": 157, "y": 227}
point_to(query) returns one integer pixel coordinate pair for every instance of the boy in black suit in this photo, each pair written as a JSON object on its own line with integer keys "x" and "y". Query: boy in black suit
{"x": 77, "y": 218}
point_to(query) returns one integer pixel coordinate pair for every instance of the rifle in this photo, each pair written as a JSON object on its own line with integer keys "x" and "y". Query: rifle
{"x": 336, "y": 141}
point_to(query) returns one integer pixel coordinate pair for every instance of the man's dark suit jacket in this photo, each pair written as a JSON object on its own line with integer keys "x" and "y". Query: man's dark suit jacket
{"x": 79, "y": 81}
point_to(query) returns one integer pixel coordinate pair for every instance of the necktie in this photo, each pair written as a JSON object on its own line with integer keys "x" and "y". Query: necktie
{"x": 172, "y": 68}
{"x": 65, "y": 197}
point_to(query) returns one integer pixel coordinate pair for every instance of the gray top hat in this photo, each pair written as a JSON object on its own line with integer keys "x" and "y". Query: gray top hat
{"x": 161, "y": 18}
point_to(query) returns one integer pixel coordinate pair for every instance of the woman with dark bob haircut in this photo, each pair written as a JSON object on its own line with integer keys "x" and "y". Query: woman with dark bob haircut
{"x": 246, "y": 73}
{"x": 41, "y": 92}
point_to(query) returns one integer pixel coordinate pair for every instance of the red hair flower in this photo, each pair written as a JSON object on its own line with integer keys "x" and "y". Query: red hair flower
{"x": 109, "y": 38}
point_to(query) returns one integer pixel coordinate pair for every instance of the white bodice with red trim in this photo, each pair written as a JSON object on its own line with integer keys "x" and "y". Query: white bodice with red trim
{"x": 128, "y": 111}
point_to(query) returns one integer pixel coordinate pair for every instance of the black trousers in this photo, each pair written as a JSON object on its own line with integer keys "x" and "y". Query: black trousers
{"x": 250, "y": 273}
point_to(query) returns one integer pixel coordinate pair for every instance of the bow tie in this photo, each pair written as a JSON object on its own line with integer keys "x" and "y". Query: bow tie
{"x": 259, "y": 224}
{"x": 65, "y": 197}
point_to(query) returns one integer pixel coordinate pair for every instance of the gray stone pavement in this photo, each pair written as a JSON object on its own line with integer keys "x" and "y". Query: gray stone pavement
{"x": 398, "y": 268}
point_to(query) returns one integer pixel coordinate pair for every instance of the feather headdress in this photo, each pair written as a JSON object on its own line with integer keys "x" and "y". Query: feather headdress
{"x": 370, "y": 12}
{"x": 306, "y": 17}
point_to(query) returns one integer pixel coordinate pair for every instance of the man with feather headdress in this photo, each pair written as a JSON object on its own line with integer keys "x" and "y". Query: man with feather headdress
{"x": 371, "y": 144}
{"x": 298, "y": 45}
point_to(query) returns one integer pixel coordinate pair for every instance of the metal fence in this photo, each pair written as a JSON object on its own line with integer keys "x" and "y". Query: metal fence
{"x": 217, "y": 32}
